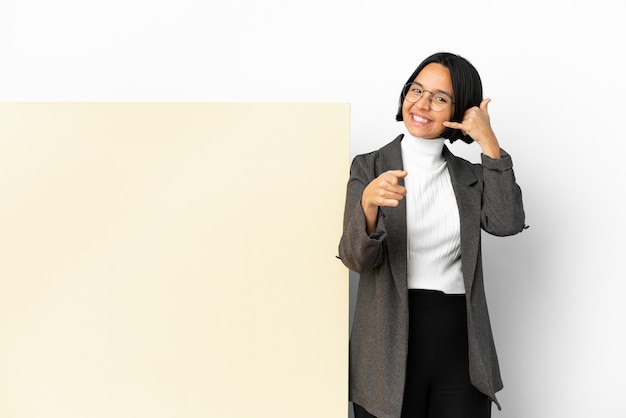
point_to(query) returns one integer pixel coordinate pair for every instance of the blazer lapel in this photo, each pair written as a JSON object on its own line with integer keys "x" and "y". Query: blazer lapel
{"x": 468, "y": 197}
{"x": 395, "y": 218}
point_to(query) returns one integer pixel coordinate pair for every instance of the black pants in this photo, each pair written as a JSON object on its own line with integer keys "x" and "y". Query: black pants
{"x": 438, "y": 384}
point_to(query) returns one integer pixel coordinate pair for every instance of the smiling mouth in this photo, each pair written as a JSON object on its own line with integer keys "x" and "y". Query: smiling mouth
{"x": 419, "y": 119}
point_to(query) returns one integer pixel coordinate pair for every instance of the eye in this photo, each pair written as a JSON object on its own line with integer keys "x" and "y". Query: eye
{"x": 417, "y": 90}
{"x": 440, "y": 98}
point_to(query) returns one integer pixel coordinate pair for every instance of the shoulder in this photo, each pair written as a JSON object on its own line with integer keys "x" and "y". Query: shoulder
{"x": 380, "y": 160}
{"x": 390, "y": 147}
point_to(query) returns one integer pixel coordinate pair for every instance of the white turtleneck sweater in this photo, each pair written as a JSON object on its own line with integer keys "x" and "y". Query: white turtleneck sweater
{"x": 432, "y": 215}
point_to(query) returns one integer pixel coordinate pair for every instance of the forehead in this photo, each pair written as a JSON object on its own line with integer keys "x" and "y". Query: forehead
{"x": 435, "y": 76}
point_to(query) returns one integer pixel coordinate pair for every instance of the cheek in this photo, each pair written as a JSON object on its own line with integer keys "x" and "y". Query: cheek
{"x": 406, "y": 110}
{"x": 444, "y": 116}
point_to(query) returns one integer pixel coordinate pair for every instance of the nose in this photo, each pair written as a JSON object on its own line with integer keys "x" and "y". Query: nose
{"x": 424, "y": 101}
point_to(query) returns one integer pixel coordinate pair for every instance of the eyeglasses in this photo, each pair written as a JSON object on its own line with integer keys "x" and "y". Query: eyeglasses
{"x": 439, "y": 101}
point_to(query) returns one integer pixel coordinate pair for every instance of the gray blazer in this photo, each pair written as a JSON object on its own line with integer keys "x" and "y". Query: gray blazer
{"x": 489, "y": 198}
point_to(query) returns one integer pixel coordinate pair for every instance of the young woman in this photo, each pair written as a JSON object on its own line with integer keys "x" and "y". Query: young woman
{"x": 421, "y": 343}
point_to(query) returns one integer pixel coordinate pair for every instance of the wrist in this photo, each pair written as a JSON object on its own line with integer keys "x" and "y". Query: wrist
{"x": 369, "y": 209}
{"x": 492, "y": 152}
{"x": 491, "y": 149}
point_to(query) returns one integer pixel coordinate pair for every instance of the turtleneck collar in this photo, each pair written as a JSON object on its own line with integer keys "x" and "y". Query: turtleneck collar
{"x": 427, "y": 153}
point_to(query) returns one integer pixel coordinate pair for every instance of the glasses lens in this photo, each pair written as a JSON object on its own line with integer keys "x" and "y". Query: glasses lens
{"x": 438, "y": 101}
{"x": 412, "y": 92}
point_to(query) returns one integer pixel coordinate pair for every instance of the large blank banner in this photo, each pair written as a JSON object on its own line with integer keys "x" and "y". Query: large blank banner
{"x": 172, "y": 260}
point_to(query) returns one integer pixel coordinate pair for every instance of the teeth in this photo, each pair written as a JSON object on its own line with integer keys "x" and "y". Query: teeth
{"x": 418, "y": 119}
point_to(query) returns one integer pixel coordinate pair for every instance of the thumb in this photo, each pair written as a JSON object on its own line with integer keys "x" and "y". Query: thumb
{"x": 484, "y": 104}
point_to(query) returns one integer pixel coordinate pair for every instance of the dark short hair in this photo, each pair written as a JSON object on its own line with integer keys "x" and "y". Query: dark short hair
{"x": 466, "y": 84}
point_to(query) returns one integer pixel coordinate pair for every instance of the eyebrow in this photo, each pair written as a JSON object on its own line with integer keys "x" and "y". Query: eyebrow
{"x": 434, "y": 91}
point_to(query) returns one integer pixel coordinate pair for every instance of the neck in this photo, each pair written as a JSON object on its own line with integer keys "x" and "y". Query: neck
{"x": 423, "y": 152}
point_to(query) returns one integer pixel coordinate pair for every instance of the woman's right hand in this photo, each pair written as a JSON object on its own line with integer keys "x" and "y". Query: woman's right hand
{"x": 384, "y": 190}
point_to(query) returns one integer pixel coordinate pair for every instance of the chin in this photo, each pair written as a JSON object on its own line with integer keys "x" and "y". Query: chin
{"x": 424, "y": 135}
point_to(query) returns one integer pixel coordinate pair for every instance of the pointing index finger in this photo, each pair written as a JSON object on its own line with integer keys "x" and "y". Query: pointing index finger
{"x": 398, "y": 173}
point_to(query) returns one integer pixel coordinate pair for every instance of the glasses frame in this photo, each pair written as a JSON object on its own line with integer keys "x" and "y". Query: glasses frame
{"x": 407, "y": 87}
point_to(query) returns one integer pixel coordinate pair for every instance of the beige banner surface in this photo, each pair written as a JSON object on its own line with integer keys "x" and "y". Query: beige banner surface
{"x": 172, "y": 260}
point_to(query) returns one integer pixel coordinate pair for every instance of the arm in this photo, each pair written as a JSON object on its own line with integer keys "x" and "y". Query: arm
{"x": 503, "y": 210}
{"x": 361, "y": 245}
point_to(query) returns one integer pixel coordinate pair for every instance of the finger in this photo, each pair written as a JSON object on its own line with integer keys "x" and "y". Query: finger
{"x": 397, "y": 192}
{"x": 386, "y": 187}
{"x": 399, "y": 174}
{"x": 484, "y": 104}
{"x": 391, "y": 199}
{"x": 383, "y": 197}
{"x": 390, "y": 202}
{"x": 392, "y": 177}
{"x": 391, "y": 184}
{"x": 453, "y": 125}
{"x": 392, "y": 189}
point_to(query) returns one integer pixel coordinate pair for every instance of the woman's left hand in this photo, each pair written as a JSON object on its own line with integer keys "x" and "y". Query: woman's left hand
{"x": 476, "y": 124}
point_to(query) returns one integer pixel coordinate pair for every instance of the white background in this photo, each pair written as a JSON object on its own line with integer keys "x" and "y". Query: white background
{"x": 554, "y": 71}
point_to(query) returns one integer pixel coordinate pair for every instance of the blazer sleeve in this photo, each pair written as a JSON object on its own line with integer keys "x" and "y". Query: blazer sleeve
{"x": 502, "y": 208}
{"x": 357, "y": 250}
